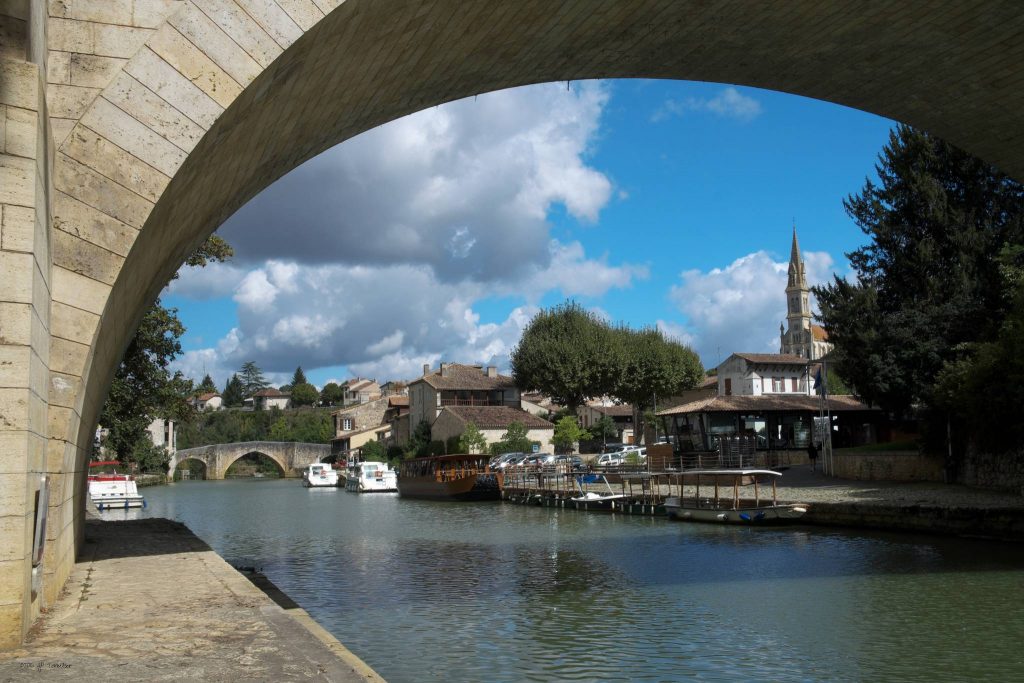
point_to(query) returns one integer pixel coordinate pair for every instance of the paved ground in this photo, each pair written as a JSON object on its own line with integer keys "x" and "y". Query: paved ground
{"x": 149, "y": 601}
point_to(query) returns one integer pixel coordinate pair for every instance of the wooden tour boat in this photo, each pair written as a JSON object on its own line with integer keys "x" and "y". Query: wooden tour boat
{"x": 448, "y": 477}
{"x": 733, "y": 508}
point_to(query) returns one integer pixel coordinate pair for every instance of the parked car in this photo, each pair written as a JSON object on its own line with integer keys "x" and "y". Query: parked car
{"x": 609, "y": 459}
{"x": 499, "y": 461}
{"x": 574, "y": 462}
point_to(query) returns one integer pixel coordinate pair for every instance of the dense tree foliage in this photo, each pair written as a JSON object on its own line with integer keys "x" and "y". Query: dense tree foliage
{"x": 228, "y": 426}
{"x": 930, "y": 293}
{"x": 418, "y": 445}
{"x": 567, "y": 434}
{"x": 206, "y": 386}
{"x": 373, "y": 451}
{"x": 514, "y": 440}
{"x": 650, "y": 365}
{"x": 234, "y": 393}
{"x": 299, "y": 377}
{"x": 565, "y": 352}
{"x": 604, "y": 429}
{"x": 332, "y": 394}
{"x": 252, "y": 379}
{"x": 304, "y": 394}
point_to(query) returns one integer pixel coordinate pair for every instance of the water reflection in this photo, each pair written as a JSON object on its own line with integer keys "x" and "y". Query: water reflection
{"x": 443, "y": 592}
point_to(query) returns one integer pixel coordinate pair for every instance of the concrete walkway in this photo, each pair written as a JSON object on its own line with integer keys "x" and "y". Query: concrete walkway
{"x": 149, "y": 601}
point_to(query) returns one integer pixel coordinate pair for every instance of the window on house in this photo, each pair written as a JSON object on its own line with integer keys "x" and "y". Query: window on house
{"x": 777, "y": 385}
{"x": 728, "y": 386}
{"x": 346, "y": 424}
{"x": 793, "y": 383}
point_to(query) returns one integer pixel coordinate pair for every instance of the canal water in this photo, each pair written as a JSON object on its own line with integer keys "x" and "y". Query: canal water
{"x": 451, "y": 592}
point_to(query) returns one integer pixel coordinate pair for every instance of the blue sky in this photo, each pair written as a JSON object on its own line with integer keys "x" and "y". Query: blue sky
{"x": 436, "y": 237}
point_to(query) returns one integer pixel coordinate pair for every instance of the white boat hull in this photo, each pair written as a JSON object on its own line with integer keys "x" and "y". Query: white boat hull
{"x": 115, "y": 492}
{"x": 767, "y": 514}
{"x": 386, "y": 484}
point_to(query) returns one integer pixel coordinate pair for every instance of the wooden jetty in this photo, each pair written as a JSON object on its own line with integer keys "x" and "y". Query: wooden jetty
{"x": 633, "y": 492}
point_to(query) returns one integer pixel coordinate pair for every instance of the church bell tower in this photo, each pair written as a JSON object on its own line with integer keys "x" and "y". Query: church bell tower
{"x": 798, "y": 339}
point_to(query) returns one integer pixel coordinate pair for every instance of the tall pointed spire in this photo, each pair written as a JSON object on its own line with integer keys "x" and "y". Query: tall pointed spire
{"x": 794, "y": 253}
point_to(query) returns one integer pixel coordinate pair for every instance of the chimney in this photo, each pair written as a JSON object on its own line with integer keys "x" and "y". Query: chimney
{"x": 444, "y": 366}
{"x": 426, "y": 369}
{"x": 492, "y": 371}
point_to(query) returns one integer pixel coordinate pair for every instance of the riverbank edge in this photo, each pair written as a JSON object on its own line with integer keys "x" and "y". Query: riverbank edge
{"x": 1000, "y": 524}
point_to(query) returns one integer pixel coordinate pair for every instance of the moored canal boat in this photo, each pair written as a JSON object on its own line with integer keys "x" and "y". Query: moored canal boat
{"x": 596, "y": 500}
{"x": 371, "y": 477}
{"x": 112, "y": 490}
{"x": 448, "y": 477}
{"x": 734, "y": 508}
{"x": 320, "y": 474}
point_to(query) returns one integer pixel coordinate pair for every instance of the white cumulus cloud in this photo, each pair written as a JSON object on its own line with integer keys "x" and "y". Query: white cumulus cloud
{"x": 730, "y": 103}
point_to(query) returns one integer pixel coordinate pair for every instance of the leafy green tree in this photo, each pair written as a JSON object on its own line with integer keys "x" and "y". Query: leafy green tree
{"x": 332, "y": 394}
{"x": 472, "y": 440}
{"x": 299, "y": 377}
{"x": 650, "y": 365}
{"x": 304, "y": 394}
{"x": 567, "y": 434}
{"x": 604, "y": 429}
{"x": 234, "y": 392}
{"x": 252, "y": 379}
{"x": 143, "y": 387}
{"x": 280, "y": 430}
{"x": 929, "y": 280}
{"x": 419, "y": 441}
{"x": 373, "y": 451}
{"x": 206, "y": 386}
{"x": 514, "y": 440}
{"x": 567, "y": 353}
{"x": 150, "y": 458}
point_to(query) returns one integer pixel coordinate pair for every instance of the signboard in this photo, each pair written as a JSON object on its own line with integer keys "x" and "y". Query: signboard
{"x": 536, "y": 448}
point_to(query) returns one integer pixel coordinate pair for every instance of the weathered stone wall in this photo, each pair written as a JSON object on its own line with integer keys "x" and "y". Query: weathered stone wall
{"x": 1002, "y": 472}
{"x": 888, "y": 466}
{"x": 291, "y": 457}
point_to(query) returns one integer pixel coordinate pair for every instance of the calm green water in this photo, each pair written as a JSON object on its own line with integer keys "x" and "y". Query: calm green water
{"x": 494, "y": 592}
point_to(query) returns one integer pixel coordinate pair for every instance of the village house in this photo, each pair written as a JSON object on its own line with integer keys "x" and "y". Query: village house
{"x": 442, "y": 399}
{"x": 358, "y": 424}
{"x": 621, "y": 416}
{"x": 394, "y": 388}
{"x": 754, "y": 374}
{"x": 265, "y": 399}
{"x": 359, "y": 390}
{"x": 207, "y": 401}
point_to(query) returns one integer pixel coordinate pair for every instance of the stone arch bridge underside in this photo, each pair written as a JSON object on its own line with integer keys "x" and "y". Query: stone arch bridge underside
{"x": 292, "y": 458}
{"x": 133, "y": 128}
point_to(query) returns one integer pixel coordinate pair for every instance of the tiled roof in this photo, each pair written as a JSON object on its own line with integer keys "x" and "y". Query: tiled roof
{"x": 457, "y": 376}
{"x": 776, "y": 358}
{"x": 776, "y": 402}
{"x": 614, "y": 411}
{"x": 497, "y": 417}
{"x": 207, "y": 396}
{"x": 359, "y": 384}
{"x": 709, "y": 381}
{"x": 270, "y": 392}
{"x": 380, "y": 404}
{"x": 398, "y": 401}
{"x": 819, "y": 333}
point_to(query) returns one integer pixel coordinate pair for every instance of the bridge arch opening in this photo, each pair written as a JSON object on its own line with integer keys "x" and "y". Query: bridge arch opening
{"x": 255, "y": 464}
{"x": 314, "y": 83}
{"x": 190, "y": 469}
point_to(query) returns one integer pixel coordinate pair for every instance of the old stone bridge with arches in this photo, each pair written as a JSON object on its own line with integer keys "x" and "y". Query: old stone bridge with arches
{"x": 132, "y": 128}
{"x": 292, "y": 458}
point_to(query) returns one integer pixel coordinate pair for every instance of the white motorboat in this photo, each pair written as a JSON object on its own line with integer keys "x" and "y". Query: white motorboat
{"x": 371, "y": 477}
{"x": 111, "y": 490}
{"x": 736, "y": 507}
{"x": 596, "y": 500}
{"x": 320, "y": 474}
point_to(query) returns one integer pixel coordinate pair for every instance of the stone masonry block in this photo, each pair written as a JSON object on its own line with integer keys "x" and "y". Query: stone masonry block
{"x": 327, "y": 5}
{"x": 130, "y": 135}
{"x": 100, "y": 192}
{"x": 18, "y": 228}
{"x": 73, "y": 324}
{"x": 118, "y": 41}
{"x": 17, "y": 180}
{"x": 79, "y": 291}
{"x": 14, "y": 452}
{"x": 64, "y": 390}
{"x": 58, "y": 67}
{"x": 129, "y": 171}
{"x": 160, "y": 77}
{"x": 15, "y": 323}
{"x": 14, "y": 366}
{"x": 70, "y": 35}
{"x": 243, "y": 29}
{"x": 69, "y": 101}
{"x": 19, "y": 84}
{"x": 20, "y": 131}
{"x": 11, "y": 613}
{"x": 274, "y": 20}
{"x": 61, "y": 421}
{"x": 152, "y": 13}
{"x": 305, "y": 13}
{"x": 153, "y": 111}
{"x": 16, "y": 286}
{"x": 13, "y": 503}
{"x": 61, "y": 128}
{"x": 93, "y": 71}
{"x": 85, "y": 258}
{"x": 105, "y": 11}
{"x": 195, "y": 65}
{"x": 82, "y": 220}
{"x": 218, "y": 46}
{"x": 14, "y": 410}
